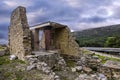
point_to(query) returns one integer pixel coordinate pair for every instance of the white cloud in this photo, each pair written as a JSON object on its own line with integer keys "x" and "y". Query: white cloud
{"x": 10, "y": 3}
{"x": 3, "y": 41}
{"x": 107, "y": 10}
{"x": 34, "y": 14}
{"x": 15, "y": 3}
{"x": 73, "y": 3}
{"x": 82, "y": 26}
{"x": 104, "y": 11}
{"x": 116, "y": 2}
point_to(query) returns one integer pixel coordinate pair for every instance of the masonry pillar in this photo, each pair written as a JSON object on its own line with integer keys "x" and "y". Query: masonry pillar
{"x": 19, "y": 34}
{"x": 35, "y": 33}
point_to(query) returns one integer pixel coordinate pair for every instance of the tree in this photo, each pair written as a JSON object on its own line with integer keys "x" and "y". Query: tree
{"x": 113, "y": 42}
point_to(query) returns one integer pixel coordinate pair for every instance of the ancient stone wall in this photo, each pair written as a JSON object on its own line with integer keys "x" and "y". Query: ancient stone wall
{"x": 65, "y": 42}
{"x": 19, "y": 34}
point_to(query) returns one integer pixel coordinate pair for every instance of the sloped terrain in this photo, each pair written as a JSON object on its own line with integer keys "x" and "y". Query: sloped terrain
{"x": 96, "y": 37}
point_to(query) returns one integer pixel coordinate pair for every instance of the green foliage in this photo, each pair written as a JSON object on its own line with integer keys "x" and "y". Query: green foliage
{"x": 7, "y": 74}
{"x": 70, "y": 63}
{"x": 19, "y": 61}
{"x": 4, "y": 60}
{"x": 104, "y": 59}
{"x": 91, "y": 42}
{"x": 97, "y": 37}
{"x": 1, "y": 48}
{"x": 113, "y": 42}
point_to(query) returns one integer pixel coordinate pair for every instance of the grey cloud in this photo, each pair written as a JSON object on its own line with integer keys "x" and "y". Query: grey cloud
{"x": 60, "y": 11}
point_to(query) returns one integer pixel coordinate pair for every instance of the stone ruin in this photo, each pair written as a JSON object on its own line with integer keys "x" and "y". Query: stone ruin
{"x": 19, "y": 34}
{"x": 24, "y": 40}
{"x": 55, "y": 39}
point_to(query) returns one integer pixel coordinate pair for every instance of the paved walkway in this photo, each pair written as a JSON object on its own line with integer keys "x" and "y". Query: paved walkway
{"x": 102, "y": 49}
{"x": 106, "y": 55}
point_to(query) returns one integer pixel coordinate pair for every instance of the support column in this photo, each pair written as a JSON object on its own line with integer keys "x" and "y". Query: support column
{"x": 35, "y": 33}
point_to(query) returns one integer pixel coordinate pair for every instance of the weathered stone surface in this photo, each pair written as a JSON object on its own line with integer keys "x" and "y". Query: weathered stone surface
{"x": 87, "y": 69}
{"x": 53, "y": 60}
{"x": 65, "y": 42}
{"x": 79, "y": 63}
{"x": 61, "y": 65}
{"x": 111, "y": 69}
{"x": 98, "y": 76}
{"x": 73, "y": 69}
{"x": 19, "y": 34}
{"x": 112, "y": 64}
{"x": 13, "y": 57}
{"x": 30, "y": 67}
{"x": 79, "y": 68}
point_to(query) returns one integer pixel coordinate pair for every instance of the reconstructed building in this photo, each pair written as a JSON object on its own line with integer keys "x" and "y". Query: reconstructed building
{"x": 23, "y": 40}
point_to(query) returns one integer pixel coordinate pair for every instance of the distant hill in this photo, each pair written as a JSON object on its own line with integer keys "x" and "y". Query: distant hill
{"x": 96, "y": 37}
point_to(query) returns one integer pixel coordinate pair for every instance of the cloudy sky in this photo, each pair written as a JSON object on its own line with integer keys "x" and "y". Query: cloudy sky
{"x": 77, "y": 14}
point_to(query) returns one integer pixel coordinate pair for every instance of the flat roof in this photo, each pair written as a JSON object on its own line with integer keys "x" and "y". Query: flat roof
{"x": 52, "y": 24}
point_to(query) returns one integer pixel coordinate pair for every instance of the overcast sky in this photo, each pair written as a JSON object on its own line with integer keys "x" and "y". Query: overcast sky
{"x": 77, "y": 14}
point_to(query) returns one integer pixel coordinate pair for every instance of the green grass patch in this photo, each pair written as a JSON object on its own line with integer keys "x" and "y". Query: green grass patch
{"x": 2, "y": 48}
{"x": 115, "y": 59}
{"x": 19, "y": 61}
{"x": 7, "y": 74}
{"x": 104, "y": 59}
{"x": 4, "y": 60}
{"x": 84, "y": 51}
{"x": 70, "y": 63}
{"x": 63, "y": 78}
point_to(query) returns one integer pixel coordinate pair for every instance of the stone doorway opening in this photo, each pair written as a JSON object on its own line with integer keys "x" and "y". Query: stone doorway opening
{"x": 45, "y": 36}
{"x": 40, "y": 40}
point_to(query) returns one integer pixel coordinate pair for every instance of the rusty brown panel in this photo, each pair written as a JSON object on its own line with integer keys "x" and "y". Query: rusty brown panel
{"x": 47, "y": 39}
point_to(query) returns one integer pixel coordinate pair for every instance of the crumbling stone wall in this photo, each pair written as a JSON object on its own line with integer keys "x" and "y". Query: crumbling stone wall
{"x": 19, "y": 34}
{"x": 65, "y": 42}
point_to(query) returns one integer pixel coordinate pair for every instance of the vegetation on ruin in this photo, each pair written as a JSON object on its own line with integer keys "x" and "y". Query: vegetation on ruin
{"x": 70, "y": 63}
{"x": 15, "y": 70}
{"x": 104, "y": 59}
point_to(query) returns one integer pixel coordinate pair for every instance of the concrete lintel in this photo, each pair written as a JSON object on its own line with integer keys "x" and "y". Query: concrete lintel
{"x": 53, "y": 24}
{"x": 40, "y": 26}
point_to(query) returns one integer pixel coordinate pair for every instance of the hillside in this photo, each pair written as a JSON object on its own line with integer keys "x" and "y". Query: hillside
{"x": 96, "y": 37}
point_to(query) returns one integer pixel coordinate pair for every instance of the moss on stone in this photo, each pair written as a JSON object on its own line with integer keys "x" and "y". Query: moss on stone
{"x": 70, "y": 63}
{"x": 84, "y": 51}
